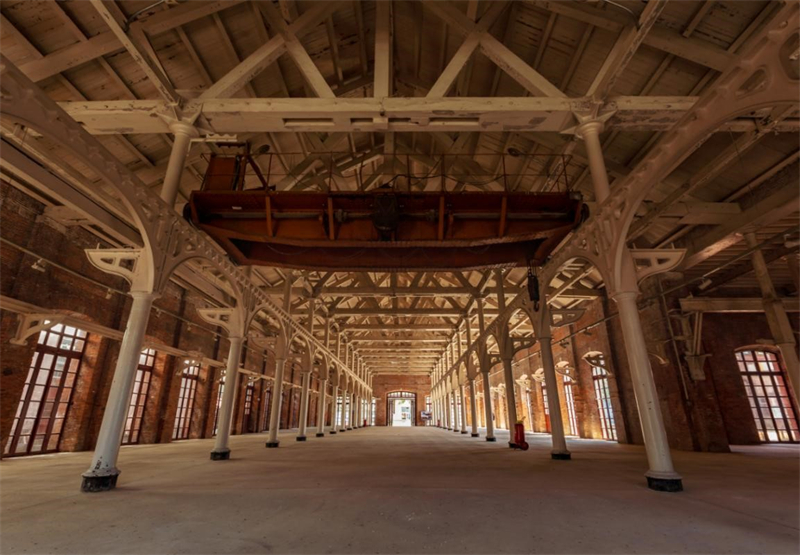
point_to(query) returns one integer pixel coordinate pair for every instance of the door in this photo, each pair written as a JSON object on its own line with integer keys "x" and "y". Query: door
{"x": 401, "y": 409}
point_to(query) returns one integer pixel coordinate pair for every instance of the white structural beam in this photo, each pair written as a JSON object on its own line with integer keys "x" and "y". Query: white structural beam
{"x": 513, "y": 65}
{"x": 105, "y": 43}
{"x": 297, "y": 51}
{"x": 462, "y": 56}
{"x": 268, "y": 115}
{"x": 667, "y": 40}
{"x": 392, "y": 328}
{"x": 111, "y": 15}
{"x": 269, "y": 52}
{"x": 732, "y": 305}
{"x": 779, "y": 201}
{"x": 383, "y": 72}
{"x": 624, "y": 49}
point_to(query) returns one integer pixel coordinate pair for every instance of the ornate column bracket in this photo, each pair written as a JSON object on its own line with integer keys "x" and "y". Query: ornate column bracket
{"x": 230, "y": 319}
{"x": 649, "y": 262}
{"x": 565, "y": 317}
{"x": 32, "y": 324}
{"x": 133, "y": 265}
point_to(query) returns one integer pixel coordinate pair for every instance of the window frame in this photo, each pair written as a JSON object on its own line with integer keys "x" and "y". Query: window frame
{"x": 569, "y": 399}
{"x": 602, "y": 396}
{"x": 73, "y": 357}
{"x": 190, "y": 378}
{"x": 132, "y": 433}
{"x": 770, "y": 367}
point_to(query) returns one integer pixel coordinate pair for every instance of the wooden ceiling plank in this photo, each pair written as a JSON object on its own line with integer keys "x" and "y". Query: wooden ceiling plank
{"x": 501, "y": 55}
{"x": 695, "y": 50}
{"x": 462, "y": 56}
{"x": 156, "y": 76}
{"x": 266, "y": 54}
{"x": 384, "y": 70}
{"x": 295, "y": 48}
{"x": 624, "y": 49}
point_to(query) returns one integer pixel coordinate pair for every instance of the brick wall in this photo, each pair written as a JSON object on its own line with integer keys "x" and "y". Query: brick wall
{"x": 384, "y": 384}
{"x": 174, "y": 321}
{"x": 704, "y": 414}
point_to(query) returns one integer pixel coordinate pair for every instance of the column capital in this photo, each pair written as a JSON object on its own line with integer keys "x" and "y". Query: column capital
{"x": 184, "y": 128}
{"x": 589, "y": 126}
{"x": 624, "y": 295}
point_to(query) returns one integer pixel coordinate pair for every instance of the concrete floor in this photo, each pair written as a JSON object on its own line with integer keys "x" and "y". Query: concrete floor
{"x": 401, "y": 490}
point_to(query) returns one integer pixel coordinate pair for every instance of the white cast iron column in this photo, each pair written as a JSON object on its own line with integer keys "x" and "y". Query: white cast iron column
{"x": 103, "y": 472}
{"x": 661, "y": 476}
{"x": 463, "y": 410}
{"x": 323, "y": 390}
{"x": 221, "y": 449}
{"x": 301, "y": 431}
{"x": 473, "y": 406}
{"x": 777, "y": 319}
{"x": 334, "y": 397}
{"x": 544, "y": 336}
{"x": 183, "y": 132}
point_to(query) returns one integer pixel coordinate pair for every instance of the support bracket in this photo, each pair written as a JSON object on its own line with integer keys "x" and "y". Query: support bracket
{"x": 32, "y": 324}
{"x": 649, "y": 262}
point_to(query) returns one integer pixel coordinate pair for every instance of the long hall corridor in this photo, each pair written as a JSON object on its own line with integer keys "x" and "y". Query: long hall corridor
{"x": 402, "y": 490}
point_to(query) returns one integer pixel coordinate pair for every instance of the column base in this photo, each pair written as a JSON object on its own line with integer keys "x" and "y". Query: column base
{"x": 93, "y": 484}
{"x": 342, "y": 431}
{"x": 475, "y": 435}
{"x": 300, "y": 438}
{"x": 512, "y": 445}
{"x": 332, "y": 432}
{"x": 273, "y": 444}
{"x": 671, "y": 484}
{"x": 350, "y": 429}
{"x": 561, "y": 456}
{"x": 491, "y": 439}
{"x": 463, "y": 431}
{"x": 320, "y": 434}
{"x": 221, "y": 455}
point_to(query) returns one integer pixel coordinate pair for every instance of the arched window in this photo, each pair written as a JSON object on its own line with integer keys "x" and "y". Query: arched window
{"x": 569, "y": 397}
{"x": 133, "y": 423}
{"x": 602, "y": 394}
{"x": 546, "y": 405}
{"x": 248, "y": 406}
{"x": 47, "y": 393}
{"x": 220, "y": 391}
{"x": 183, "y": 415}
{"x": 770, "y": 401}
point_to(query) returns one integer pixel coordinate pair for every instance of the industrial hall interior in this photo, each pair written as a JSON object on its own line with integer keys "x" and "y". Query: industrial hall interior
{"x": 399, "y": 276}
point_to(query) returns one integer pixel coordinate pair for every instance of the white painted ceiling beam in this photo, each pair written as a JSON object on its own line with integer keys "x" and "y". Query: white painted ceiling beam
{"x": 667, "y": 40}
{"x": 107, "y": 42}
{"x": 513, "y": 65}
{"x": 624, "y": 49}
{"x": 111, "y": 15}
{"x": 297, "y": 51}
{"x": 267, "y": 53}
{"x": 384, "y": 70}
{"x": 731, "y": 305}
{"x": 432, "y": 115}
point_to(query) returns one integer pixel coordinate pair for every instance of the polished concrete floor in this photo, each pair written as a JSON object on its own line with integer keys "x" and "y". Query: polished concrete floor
{"x": 401, "y": 490}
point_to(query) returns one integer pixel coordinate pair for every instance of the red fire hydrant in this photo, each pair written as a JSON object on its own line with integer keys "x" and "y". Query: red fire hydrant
{"x": 519, "y": 437}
